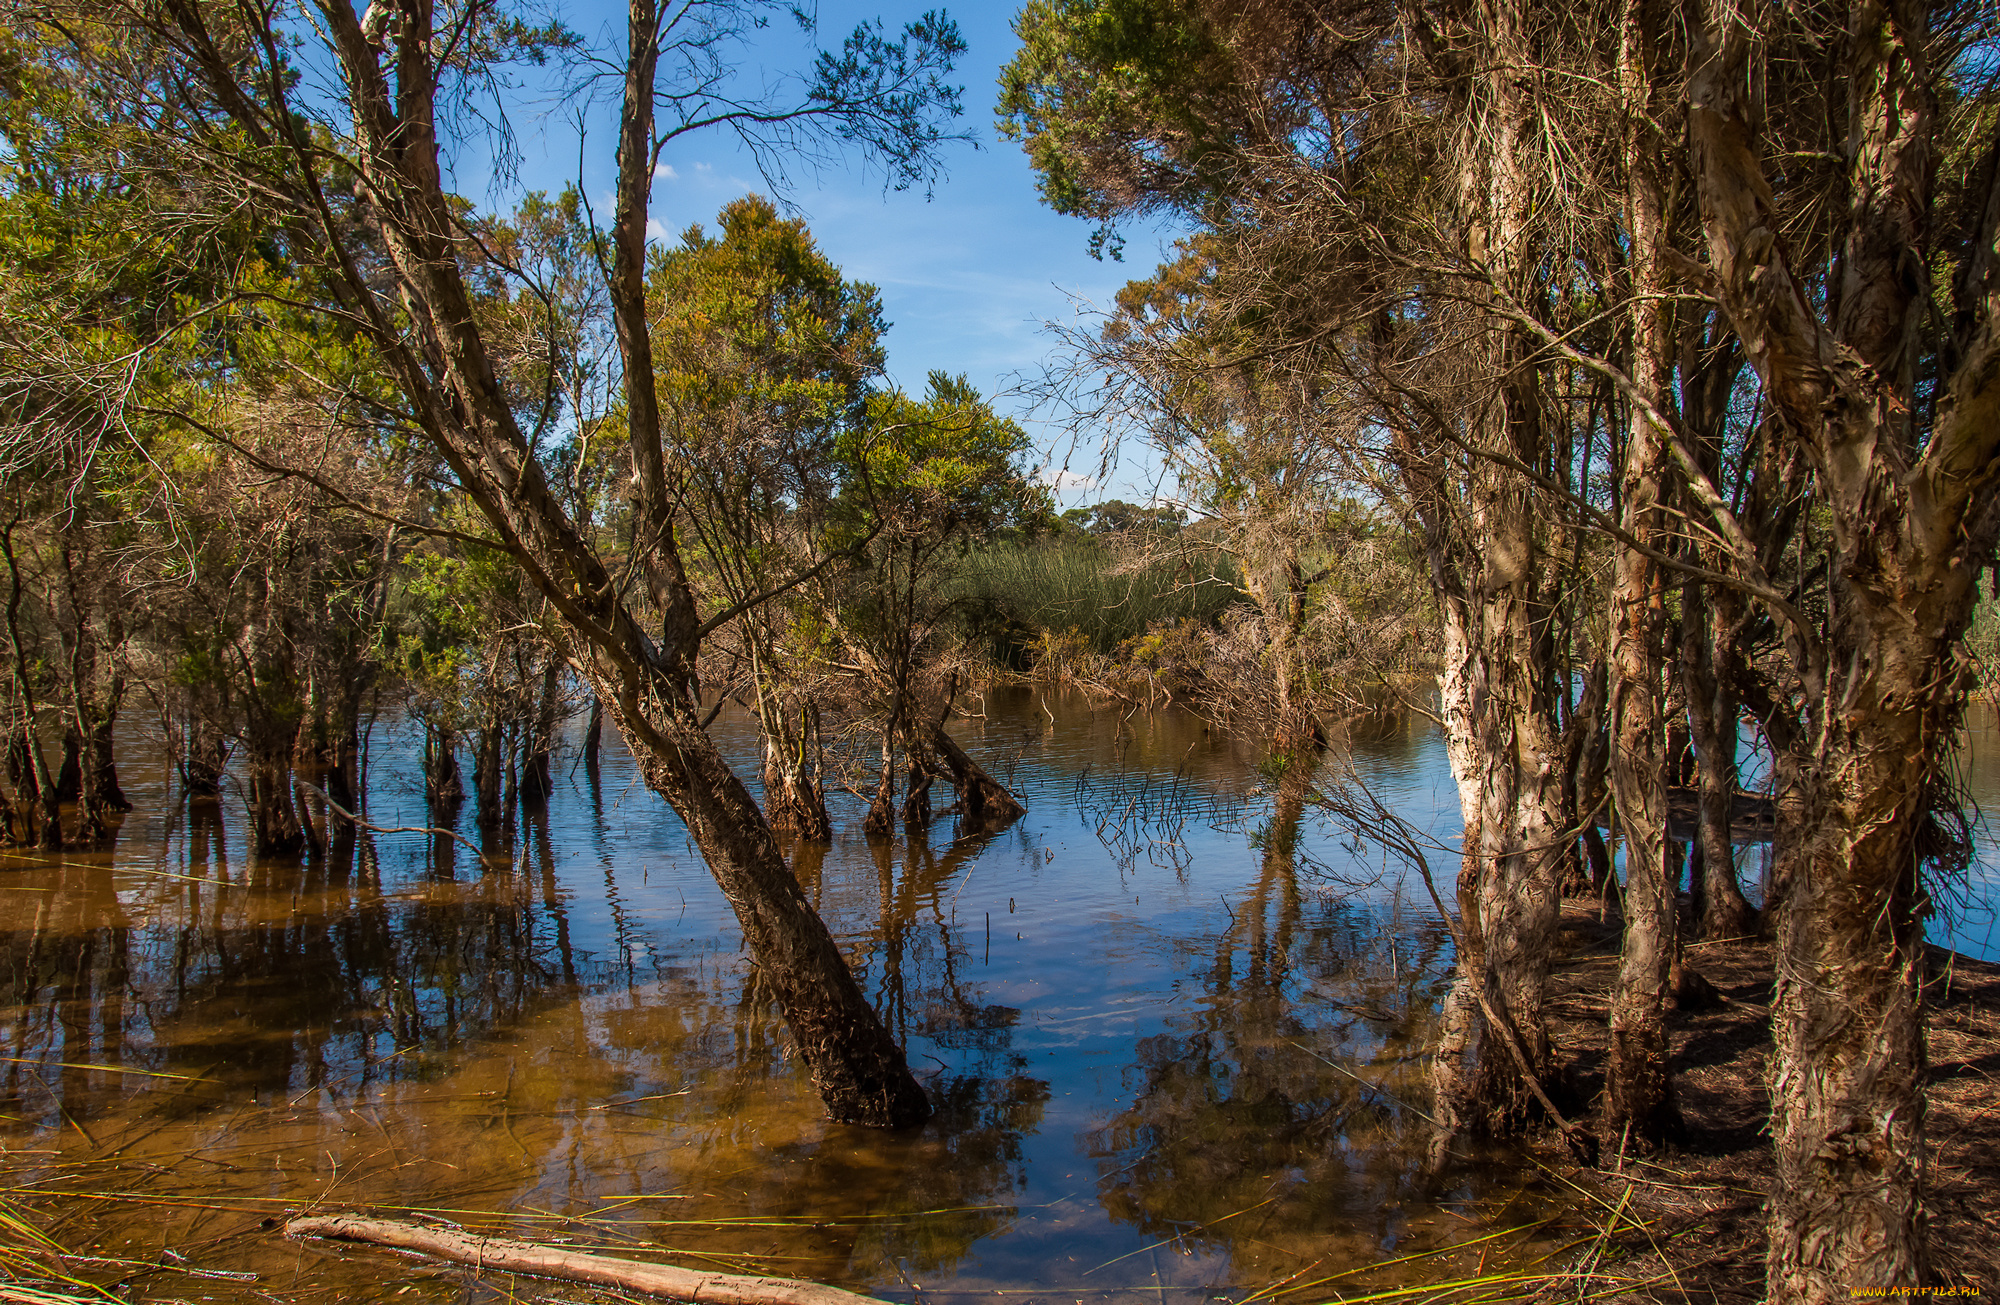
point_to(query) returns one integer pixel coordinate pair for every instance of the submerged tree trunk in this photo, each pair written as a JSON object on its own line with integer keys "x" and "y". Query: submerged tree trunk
{"x": 538, "y": 750}
{"x": 593, "y": 735}
{"x": 857, "y": 1068}
{"x": 793, "y": 801}
{"x": 443, "y": 787}
{"x": 275, "y": 828}
{"x": 28, "y": 745}
{"x": 330, "y": 741}
{"x": 984, "y": 802}
{"x": 206, "y": 754}
{"x": 489, "y": 752}
{"x": 880, "y": 822}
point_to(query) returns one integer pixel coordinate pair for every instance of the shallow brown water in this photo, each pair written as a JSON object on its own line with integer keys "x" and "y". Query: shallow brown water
{"x": 1174, "y": 1054}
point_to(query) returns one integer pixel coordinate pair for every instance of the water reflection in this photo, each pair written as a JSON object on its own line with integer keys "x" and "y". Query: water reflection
{"x": 1171, "y": 1043}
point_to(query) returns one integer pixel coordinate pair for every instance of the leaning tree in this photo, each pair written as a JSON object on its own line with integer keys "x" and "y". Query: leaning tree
{"x": 338, "y": 123}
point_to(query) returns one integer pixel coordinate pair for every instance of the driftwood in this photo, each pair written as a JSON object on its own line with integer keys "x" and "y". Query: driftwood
{"x": 504, "y": 1256}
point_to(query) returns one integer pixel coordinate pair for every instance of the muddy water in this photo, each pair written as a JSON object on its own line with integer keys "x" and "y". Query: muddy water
{"x": 1176, "y": 1051}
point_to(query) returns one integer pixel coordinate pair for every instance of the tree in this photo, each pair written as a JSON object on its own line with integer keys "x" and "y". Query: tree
{"x": 1804, "y": 231}
{"x": 1257, "y": 451}
{"x": 1885, "y": 383}
{"x": 357, "y": 183}
{"x": 766, "y": 359}
{"x": 1335, "y": 188}
{"x": 922, "y": 479}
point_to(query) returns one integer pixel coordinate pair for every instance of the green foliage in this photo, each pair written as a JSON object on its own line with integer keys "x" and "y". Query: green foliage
{"x": 903, "y": 82}
{"x": 942, "y": 467}
{"x": 1107, "y": 98}
{"x": 1036, "y": 600}
{"x": 759, "y": 322}
{"x": 1116, "y": 516}
{"x": 764, "y": 359}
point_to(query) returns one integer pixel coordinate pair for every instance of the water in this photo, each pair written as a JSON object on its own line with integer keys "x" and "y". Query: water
{"x": 1175, "y": 1053}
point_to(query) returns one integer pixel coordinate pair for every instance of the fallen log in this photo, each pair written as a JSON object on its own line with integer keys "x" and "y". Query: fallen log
{"x": 506, "y": 1256}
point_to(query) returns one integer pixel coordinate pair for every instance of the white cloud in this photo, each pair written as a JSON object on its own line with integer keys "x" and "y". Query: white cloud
{"x": 1062, "y": 478}
{"x": 665, "y": 172}
{"x": 654, "y": 231}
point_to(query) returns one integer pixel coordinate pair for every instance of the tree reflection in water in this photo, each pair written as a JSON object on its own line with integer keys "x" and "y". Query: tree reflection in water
{"x": 563, "y": 1038}
{"x": 1243, "y": 1142}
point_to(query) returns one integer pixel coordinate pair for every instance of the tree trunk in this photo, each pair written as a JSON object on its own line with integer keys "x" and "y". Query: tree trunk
{"x": 857, "y": 1068}
{"x": 1296, "y": 728}
{"x": 880, "y": 822}
{"x": 1638, "y": 1096}
{"x": 49, "y": 804}
{"x": 537, "y": 772}
{"x": 1708, "y": 631}
{"x": 793, "y": 802}
{"x": 1493, "y": 565}
{"x": 984, "y": 803}
{"x": 488, "y": 760}
{"x": 275, "y": 829}
{"x": 1910, "y": 514}
{"x": 593, "y": 735}
{"x": 1501, "y": 712}
{"x": 205, "y": 759}
{"x": 917, "y": 792}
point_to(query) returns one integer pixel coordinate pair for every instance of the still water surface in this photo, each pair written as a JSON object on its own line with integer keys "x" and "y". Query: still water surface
{"x": 1175, "y": 1053}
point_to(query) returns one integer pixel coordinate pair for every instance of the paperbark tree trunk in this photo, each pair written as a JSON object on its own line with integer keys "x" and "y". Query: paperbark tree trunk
{"x": 1912, "y": 522}
{"x": 1488, "y": 545}
{"x": 1504, "y": 742}
{"x": 443, "y": 787}
{"x": 488, "y": 763}
{"x": 275, "y": 829}
{"x": 793, "y": 801}
{"x": 593, "y": 735}
{"x": 1295, "y": 728}
{"x": 27, "y": 759}
{"x": 538, "y": 749}
{"x": 1638, "y": 1099}
{"x": 1709, "y": 633}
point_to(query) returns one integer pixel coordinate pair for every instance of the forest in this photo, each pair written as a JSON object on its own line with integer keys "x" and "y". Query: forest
{"x": 1602, "y": 385}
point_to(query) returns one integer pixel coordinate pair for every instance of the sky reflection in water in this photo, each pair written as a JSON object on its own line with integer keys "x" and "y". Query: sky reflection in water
{"x": 1170, "y": 1047}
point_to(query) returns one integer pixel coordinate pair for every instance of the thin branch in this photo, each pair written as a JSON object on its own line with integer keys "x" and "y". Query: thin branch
{"x": 357, "y": 821}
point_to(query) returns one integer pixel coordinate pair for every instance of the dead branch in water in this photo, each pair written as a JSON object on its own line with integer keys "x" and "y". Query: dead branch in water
{"x": 353, "y": 819}
{"x": 507, "y": 1256}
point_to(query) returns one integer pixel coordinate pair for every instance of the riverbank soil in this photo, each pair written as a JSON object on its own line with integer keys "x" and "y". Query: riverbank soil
{"x": 1687, "y": 1223}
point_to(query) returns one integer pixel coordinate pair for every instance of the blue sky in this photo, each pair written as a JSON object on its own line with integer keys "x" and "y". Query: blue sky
{"x": 967, "y": 277}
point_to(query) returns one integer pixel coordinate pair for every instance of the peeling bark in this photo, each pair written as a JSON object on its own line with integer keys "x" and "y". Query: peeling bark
{"x": 1886, "y": 684}
{"x": 1638, "y": 1085}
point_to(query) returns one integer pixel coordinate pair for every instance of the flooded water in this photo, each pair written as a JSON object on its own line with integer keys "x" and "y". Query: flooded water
{"x": 1176, "y": 1052}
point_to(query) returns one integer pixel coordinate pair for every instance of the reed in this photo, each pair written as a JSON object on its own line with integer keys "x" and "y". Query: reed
{"x": 33, "y": 1265}
{"x": 1019, "y": 594}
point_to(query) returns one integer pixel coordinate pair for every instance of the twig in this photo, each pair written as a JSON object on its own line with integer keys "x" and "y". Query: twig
{"x": 353, "y": 819}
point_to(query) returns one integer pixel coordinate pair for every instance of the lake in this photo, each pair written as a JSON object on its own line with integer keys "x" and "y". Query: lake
{"x": 1176, "y": 1052}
